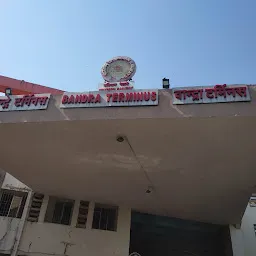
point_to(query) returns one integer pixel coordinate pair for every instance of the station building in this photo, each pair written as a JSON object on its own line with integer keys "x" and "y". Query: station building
{"x": 148, "y": 172}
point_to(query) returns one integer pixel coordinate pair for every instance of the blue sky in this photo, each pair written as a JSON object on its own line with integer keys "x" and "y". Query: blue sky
{"x": 64, "y": 43}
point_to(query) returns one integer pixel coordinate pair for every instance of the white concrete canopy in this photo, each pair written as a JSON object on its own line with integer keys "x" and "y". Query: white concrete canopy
{"x": 200, "y": 159}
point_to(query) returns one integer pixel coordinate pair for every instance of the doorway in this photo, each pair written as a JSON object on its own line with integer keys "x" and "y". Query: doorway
{"x": 153, "y": 235}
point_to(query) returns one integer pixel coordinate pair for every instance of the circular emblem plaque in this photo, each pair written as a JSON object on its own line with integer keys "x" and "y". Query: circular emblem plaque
{"x": 118, "y": 69}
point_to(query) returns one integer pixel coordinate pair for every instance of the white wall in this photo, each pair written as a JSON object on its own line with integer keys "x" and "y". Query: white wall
{"x": 10, "y": 226}
{"x": 249, "y": 220}
{"x": 8, "y": 229}
{"x": 237, "y": 241}
{"x": 244, "y": 239}
{"x": 12, "y": 183}
{"x": 48, "y": 238}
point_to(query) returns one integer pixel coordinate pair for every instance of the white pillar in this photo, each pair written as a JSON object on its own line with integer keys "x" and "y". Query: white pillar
{"x": 237, "y": 240}
{"x": 90, "y": 215}
{"x": 43, "y": 209}
{"x": 123, "y": 227}
{"x": 75, "y": 213}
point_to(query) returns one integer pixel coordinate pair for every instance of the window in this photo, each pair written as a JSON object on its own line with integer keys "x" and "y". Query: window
{"x": 82, "y": 214}
{"x": 105, "y": 217}
{"x": 59, "y": 211}
{"x": 12, "y": 203}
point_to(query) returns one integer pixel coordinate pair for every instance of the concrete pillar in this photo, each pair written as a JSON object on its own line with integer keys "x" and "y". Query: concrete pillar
{"x": 123, "y": 227}
{"x": 43, "y": 209}
{"x": 75, "y": 213}
{"x": 249, "y": 235}
{"x": 90, "y": 215}
{"x": 237, "y": 240}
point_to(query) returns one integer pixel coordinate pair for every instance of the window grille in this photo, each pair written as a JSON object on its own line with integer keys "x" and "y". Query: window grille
{"x": 12, "y": 203}
{"x": 59, "y": 211}
{"x": 105, "y": 217}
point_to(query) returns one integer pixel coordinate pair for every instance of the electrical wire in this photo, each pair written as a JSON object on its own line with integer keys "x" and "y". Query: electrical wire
{"x": 138, "y": 161}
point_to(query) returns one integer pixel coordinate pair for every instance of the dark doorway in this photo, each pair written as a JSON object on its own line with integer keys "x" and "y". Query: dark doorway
{"x": 156, "y": 235}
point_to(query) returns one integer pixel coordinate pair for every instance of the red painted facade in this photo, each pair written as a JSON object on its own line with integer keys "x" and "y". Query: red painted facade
{"x": 21, "y": 87}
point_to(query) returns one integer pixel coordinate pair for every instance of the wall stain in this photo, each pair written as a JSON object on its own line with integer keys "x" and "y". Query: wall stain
{"x": 66, "y": 246}
{"x": 29, "y": 247}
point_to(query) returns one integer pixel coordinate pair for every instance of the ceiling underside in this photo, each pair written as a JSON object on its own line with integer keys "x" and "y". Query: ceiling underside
{"x": 200, "y": 168}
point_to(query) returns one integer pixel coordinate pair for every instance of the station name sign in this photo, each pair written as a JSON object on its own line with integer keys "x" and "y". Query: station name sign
{"x": 213, "y": 94}
{"x": 24, "y": 102}
{"x": 110, "y": 99}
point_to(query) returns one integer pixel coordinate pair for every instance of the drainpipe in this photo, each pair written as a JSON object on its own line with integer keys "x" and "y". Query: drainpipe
{"x": 20, "y": 229}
